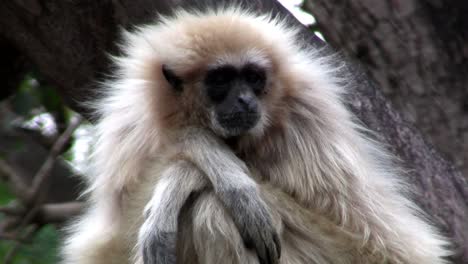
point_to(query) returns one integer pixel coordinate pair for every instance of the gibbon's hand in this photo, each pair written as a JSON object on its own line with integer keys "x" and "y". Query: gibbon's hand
{"x": 159, "y": 248}
{"x": 252, "y": 218}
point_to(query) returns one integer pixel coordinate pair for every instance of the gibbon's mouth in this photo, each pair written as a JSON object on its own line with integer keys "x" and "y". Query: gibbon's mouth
{"x": 236, "y": 123}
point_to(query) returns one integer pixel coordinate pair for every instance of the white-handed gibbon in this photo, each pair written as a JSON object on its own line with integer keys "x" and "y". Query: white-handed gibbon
{"x": 224, "y": 139}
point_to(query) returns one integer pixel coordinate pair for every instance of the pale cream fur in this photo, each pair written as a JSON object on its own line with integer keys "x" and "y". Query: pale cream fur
{"x": 335, "y": 194}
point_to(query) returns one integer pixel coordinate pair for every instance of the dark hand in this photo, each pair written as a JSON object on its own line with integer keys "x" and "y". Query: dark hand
{"x": 251, "y": 216}
{"x": 159, "y": 248}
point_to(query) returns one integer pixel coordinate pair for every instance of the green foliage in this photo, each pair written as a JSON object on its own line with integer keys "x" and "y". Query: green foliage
{"x": 30, "y": 99}
{"x": 42, "y": 249}
{"x": 27, "y": 97}
{"x": 51, "y": 100}
{"x": 5, "y": 195}
{"x": 31, "y": 95}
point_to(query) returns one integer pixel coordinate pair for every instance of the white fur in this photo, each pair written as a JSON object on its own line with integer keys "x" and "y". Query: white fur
{"x": 333, "y": 174}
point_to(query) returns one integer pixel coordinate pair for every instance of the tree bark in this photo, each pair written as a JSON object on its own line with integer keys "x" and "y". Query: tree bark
{"x": 67, "y": 41}
{"x": 417, "y": 51}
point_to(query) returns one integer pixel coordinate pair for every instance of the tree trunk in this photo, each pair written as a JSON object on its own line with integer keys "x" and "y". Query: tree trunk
{"x": 67, "y": 41}
{"x": 417, "y": 52}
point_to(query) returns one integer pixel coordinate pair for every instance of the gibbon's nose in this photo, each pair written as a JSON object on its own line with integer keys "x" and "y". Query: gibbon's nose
{"x": 247, "y": 102}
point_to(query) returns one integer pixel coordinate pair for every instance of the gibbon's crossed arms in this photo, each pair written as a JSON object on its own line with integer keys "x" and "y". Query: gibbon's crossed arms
{"x": 224, "y": 139}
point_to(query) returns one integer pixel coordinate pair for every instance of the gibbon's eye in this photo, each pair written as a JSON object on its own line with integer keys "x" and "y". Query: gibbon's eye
{"x": 218, "y": 82}
{"x": 255, "y": 76}
{"x": 221, "y": 76}
{"x": 175, "y": 82}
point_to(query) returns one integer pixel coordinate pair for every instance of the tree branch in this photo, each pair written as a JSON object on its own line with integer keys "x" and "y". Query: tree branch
{"x": 44, "y": 172}
{"x": 34, "y": 197}
{"x": 28, "y": 234}
{"x": 58, "y": 213}
{"x": 13, "y": 209}
{"x": 17, "y": 185}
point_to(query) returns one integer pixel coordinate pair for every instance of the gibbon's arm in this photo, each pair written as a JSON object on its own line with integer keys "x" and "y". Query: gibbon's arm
{"x": 204, "y": 158}
{"x": 157, "y": 236}
{"x": 238, "y": 192}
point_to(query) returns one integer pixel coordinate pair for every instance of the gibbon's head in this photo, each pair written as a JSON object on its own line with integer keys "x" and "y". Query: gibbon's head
{"x": 222, "y": 70}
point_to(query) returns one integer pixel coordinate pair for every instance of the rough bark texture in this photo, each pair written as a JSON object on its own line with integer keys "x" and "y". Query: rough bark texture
{"x": 67, "y": 41}
{"x": 417, "y": 51}
{"x": 439, "y": 187}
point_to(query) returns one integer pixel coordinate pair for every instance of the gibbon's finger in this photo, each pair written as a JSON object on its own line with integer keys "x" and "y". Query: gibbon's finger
{"x": 277, "y": 241}
{"x": 268, "y": 253}
{"x": 159, "y": 248}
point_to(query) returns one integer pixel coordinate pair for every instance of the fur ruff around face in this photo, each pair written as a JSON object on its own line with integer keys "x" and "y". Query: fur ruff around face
{"x": 334, "y": 194}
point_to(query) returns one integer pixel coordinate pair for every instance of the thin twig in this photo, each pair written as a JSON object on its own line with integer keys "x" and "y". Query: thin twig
{"x": 16, "y": 183}
{"x": 56, "y": 213}
{"x": 12, "y": 209}
{"x": 44, "y": 172}
{"x": 27, "y": 235}
{"x": 14, "y": 238}
{"x": 35, "y": 196}
{"x": 12, "y": 252}
{"x": 9, "y": 223}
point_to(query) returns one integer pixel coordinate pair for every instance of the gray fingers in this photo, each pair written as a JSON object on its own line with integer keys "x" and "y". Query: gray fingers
{"x": 159, "y": 247}
{"x": 252, "y": 218}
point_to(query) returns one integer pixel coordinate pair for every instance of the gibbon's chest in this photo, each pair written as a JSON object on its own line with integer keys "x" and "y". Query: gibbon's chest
{"x": 139, "y": 192}
{"x": 289, "y": 159}
{"x": 137, "y": 195}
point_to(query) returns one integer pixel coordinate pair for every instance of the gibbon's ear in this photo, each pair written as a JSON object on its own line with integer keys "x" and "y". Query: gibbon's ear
{"x": 172, "y": 79}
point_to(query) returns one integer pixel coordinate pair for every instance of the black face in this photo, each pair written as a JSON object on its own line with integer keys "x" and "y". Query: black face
{"x": 234, "y": 94}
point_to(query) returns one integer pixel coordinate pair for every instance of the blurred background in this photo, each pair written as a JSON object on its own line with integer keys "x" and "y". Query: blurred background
{"x": 53, "y": 54}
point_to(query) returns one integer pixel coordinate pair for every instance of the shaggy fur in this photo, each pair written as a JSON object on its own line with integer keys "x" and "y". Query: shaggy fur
{"x": 334, "y": 194}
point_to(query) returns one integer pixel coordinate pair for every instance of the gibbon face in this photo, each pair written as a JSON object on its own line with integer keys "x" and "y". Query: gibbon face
{"x": 231, "y": 94}
{"x": 218, "y": 72}
{"x": 234, "y": 93}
